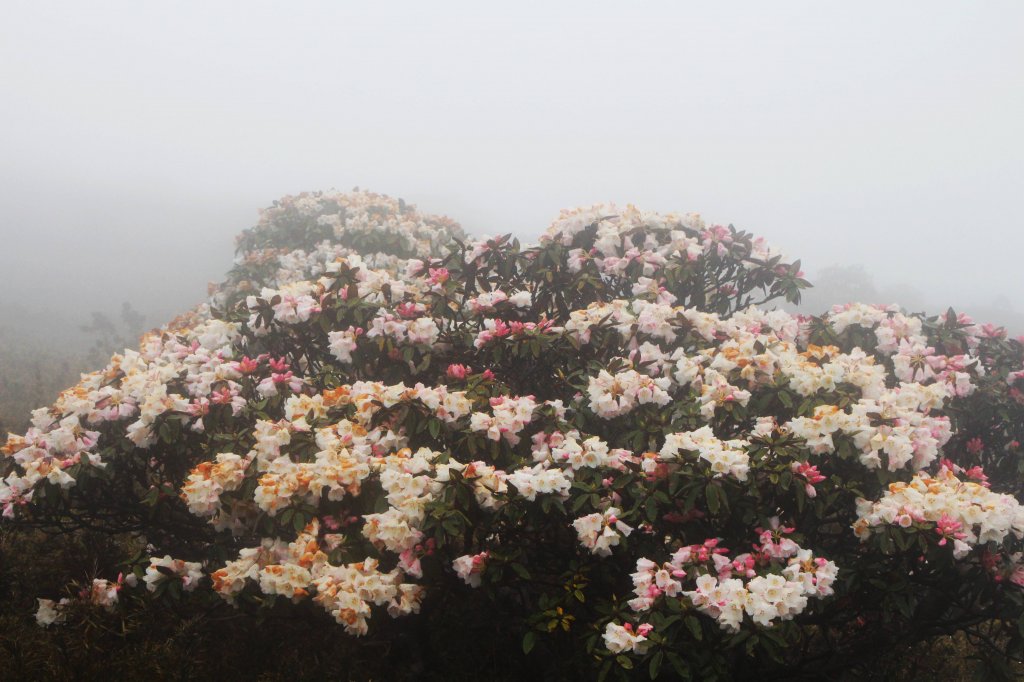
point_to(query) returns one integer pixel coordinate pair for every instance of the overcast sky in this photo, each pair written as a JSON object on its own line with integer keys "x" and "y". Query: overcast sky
{"x": 137, "y": 138}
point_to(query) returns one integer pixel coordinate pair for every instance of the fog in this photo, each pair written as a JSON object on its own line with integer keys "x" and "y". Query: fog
{"x": 139, "y": 138}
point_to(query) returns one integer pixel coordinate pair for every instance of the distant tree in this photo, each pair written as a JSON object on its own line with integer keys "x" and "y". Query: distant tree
{"x": 848, "y": 283}
{"x": 108, "y": 332}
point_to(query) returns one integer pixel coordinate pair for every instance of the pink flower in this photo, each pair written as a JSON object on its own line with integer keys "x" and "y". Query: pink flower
{"x": 457, "y": 371}
{"x": 247, "y": 365}
{"x": 946, "y": 463}
{"x": 410, "y": 563}
{"x": 200, "y": 407}
{"x": 409, "y": 310}
{"x": 993, "y": 332}
{"x": 221, "y": 397}
{"x": 438, "y": 275}
{"x": 976, "y": 473}
{"x": 947, "y": 527}
{"x": 808, "y": 471}
{"x": 1017, "y": 577}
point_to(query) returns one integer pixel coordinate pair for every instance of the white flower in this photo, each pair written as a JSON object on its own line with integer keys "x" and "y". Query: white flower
{"x": 104, "y": 593}
{"x": 189, "y": 573}
{"x": 600, "y": 532}
{"x": 521, "y": 299}
{"x": 343, "y": 343}
{"x": 50, "y": 612}
{"x": 619, "y": 639}
{"x": 471, "y": 567}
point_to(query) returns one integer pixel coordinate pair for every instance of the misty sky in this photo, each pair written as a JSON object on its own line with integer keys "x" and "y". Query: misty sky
{"x": 138, "y": 138}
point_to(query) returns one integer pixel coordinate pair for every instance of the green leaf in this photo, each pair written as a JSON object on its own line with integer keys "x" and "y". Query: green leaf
{"x": 785, "y": 479}
{"x": 655, "y": 666}
{"x": 578, "y": 503}
{"x": 693, "y": 625}
{"x": 751, "y": 644}
{"x": 624, "y": 662}
{"x": 713, "y": 495}
{"x": 679, "y": 665}
{"x": 691, "y": 497}
{"x": 451, "y": 527}
{"x": 774, "y": 636}
{"x": 651, "y": 507}
{"x": 529, "y": 640}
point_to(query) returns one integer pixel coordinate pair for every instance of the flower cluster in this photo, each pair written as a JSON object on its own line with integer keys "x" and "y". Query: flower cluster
{"x": 612, "y": 396}
{"x": 295, "y": 570}
{"x": 509, "y": 417}
{"x": 176, "y": 376}
{"x": 968, "y": 513}
{"x": 723, "y": 457}
{"x": 774, "y": 581}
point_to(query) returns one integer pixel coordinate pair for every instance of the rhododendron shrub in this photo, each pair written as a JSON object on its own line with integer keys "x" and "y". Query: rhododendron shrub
{"x": 601, "y": 450}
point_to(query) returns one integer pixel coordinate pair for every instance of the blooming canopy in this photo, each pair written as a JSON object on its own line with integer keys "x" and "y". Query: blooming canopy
{"x": 604, "y": 439}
